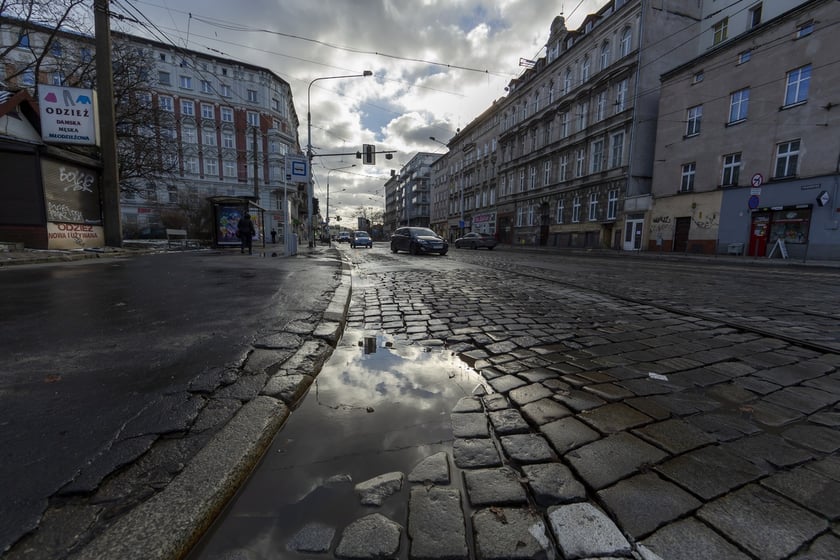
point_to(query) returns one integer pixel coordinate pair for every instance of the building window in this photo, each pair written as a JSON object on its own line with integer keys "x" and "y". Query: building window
{"x": 625, "y": 42}
{"x": 698, "y": 77}
{"x": 738, "y": 104}
{"x": 23, "y": 41}
{"x": 228, "y": 140}
{"x": 163, "y": 78}
{"x": 805, "y": 29}
{"x": 605, "y": 54}
{"x": 532, "y": 178}
{"x": 695, "y": 114}
{"x": 583, "y": 114}
{"x": 546, "y": 136}
{"x": 166, "y": 103}
{"x": 206, "y": 86}
{"x": 584, "y": 69}
{"x": 229, "y": 168}
{"x": 208, "y": 137}
{"x": 612, "y": 204}
{"x": 252, "y": 95}
{"x": 560, "y": 209}
{"x": 547, "y": 173}
{"x": 601, "y": 106}
{"x": 787, "y": 158}
{"x": 188, "y": 134}
{"x": 162, "y": 57}
{"x": 187, "y": 108}
{"x": 185, "y": 82}
{"x": 744, "y": 56}
{"x": 191, "y": 165}
{"x": 597, "y": 156}
{"x": 721, "y": 29}
{"x": 593, "y": 207}
{"x": 620, "y": 96}
{"x": 521, "y": 180}
{"x": 86, "y": 55}
{"x": 564, "y": 125}
{"x": 207, "y": 111}
{"x": 617, "y": 150}
{"x": 227, "y": 114}
{"x": 173, "y": 194}
{"x": 57, "y": 79}
{"x": 57, "y": 51}
{"x": 563, "y": 168}
{"x": 580, "y": 162}
{"x": 576, "y": 210}
{"x": 755, "y": 16}
{"x": 226, "y": 90}
{"x": 731, "y": 170}
{"x": 211, "y": 167}
{"x": 567, "y": 81}
{"x": 797, "y": 85}
{"x": 687, "y": 182}
{"x": 253, "y": 119}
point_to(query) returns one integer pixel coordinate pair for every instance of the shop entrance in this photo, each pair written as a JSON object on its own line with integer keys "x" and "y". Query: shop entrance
{"x": 759, "y": 232}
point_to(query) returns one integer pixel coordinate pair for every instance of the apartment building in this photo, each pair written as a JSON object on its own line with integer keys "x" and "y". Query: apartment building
{"x": 746, "y": 151}
{"x": 577, "y": 130}
{"x": 232, "y": 123}
{"x": 408, "y": 194}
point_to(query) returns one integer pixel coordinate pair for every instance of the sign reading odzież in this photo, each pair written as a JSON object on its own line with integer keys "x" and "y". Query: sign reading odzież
{"x": 68, "y": 115}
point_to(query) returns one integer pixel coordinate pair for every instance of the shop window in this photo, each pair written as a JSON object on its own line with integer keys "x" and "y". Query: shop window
{"x": 790, "y": 225}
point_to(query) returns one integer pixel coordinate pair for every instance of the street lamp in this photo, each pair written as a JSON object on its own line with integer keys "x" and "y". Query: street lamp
{"x": 329, "y": 236}
{"x": 311, "y": 185}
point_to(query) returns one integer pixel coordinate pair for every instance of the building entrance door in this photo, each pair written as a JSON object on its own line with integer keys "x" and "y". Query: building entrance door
{"x": 633, "y": 235}
{"x": 682, "y": 227}
{"x": 759, "y": 233}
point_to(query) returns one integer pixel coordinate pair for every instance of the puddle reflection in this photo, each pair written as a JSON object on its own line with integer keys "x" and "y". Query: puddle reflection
{"x": 379, "y": 405}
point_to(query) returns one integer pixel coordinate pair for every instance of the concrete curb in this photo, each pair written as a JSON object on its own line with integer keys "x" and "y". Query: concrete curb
{"x": 170, "y": 523}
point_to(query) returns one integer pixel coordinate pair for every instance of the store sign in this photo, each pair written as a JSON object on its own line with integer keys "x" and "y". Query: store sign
{"x": 68, "y": 115}
{"x": 823, "y": 198}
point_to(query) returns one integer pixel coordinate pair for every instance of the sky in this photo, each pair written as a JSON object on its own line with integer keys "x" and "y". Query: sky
{"x": 437, "y": 65}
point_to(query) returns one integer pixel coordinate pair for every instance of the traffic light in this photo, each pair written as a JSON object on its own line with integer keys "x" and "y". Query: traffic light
{"x": 368, "y": 154}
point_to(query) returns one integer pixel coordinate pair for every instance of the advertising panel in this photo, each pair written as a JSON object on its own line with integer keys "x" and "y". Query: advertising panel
{"x": 67, "y": 115}
{"x": 74, "y": 217}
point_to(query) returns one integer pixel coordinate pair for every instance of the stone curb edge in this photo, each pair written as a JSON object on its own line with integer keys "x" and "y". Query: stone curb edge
{"x": 167, "y": 525}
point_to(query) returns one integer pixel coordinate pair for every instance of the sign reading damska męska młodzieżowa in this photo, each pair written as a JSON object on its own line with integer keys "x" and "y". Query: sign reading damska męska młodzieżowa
{"x": 68, "y": 115}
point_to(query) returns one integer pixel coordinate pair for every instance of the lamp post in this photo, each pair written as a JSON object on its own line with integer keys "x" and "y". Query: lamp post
{"x": 329, "y": 233}
{"x": 461, "y": 203}
{"x": 310, "y": 189}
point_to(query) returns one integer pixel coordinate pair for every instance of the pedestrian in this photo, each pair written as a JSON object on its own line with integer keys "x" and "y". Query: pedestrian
{"x": 245, "y": 231}
{"x": 273, "y": 235}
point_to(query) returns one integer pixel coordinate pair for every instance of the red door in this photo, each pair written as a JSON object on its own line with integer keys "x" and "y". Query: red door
{"x": 759, "y": 232}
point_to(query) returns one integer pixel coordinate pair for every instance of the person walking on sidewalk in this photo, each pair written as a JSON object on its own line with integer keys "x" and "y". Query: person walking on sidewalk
{"x": 245, "y": 230}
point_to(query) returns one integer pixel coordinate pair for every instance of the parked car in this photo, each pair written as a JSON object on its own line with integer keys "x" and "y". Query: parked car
{"x": 418, "y": 240}
{"x": 361, "y": 239}
{"x": 474, "y": 240}
{"x": 343, "y": 237}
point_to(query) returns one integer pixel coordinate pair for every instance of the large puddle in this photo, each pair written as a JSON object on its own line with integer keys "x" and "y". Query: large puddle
{"x": 379, "y": 405}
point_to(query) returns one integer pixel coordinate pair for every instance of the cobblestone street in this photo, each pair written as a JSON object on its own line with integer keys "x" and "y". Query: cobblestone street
{"x": 639, "y": 423}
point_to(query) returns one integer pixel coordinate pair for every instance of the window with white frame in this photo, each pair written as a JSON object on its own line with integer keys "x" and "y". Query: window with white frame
{"x": 551, "y": 92}
{"x": 755, "y": 16}
{"x": 185, "y": 82}
{"x": 208, "y": 137}
{"x": 731, "y": 170}
{"x": 787, "y": 158}
{"x": 560, "y": 210}
{"x": 191, "y": 165}
{"x": 522, "y": 180}
{"x": 229, "y": 168}
{"x": 597, "y": 156}
{"x": 547, "y": 172}
{"x": 226, "y": 91}
{"x": 583, "y": 115}
{"x": 721, "y": 31}
{"x": 207, "y": 112}
{"x": 744, "y": 56}
{"x": 532, "y": 178}
{"x": 605, "y": 54}
{"x": 617, "y": 149}
{"x": 580, "y": 162}
{"x": 593, "y": 207}
{"x": 547, "y": 134}
{"x": 187, "y": 108}
{"x": 163, "y": 78}
{"x": 166, "y": 104}
{"x": 521, "y": 213}
{"x": 625, "y": 42}
{"x": 211, "y": 167}
{"x": 621, "y": 96}
{"x": 228, "y": 141}
{"x": 252, "y": 95}
{"x": 567, "y": 81}
{"x": 206, "y": 86}
{"x": 798, "y": 82}
{"x": 253, "y": 118}
{"x": 585, "y": 67}
{"x": 693, "y": 118}
{"x": 601, "y": 106}
{"x": 612, "y": 204}
{"x": 172, "y": 194}
{"x": 576, "y": 209}
{"x": 227, "y": 114}
{"x": 503, "y": 185}
{"x": 188, "y": 134}
{"x": 738, "y": 104}
{"x": 563, "y": 167}
{"x": 564, "y": 124}
{"x": 804, "y": 29}
{"x": 687, "y": 177}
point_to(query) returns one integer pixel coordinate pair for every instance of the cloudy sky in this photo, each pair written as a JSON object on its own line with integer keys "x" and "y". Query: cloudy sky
{"x": 437, "y": 64}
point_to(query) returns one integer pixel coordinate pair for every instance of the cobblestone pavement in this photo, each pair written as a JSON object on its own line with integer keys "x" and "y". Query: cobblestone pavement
{"x": 641, "y": 423}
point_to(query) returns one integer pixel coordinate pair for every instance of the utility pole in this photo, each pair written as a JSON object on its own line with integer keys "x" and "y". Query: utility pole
{"x": 110, "y": 187}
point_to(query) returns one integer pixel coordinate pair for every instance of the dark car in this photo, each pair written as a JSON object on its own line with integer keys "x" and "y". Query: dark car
{"x": 343, "y": 237}
{"x": 474, "y": 240}
{"x": 418, "y": 240}
{"x": 361, "y": 239}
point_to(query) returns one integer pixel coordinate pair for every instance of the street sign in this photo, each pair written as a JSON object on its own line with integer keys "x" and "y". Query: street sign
{"x": 753, "y": 202}
{"x": 757, "y": 180}
{"x": 823, "y": 198}
{"x": 297, "y": 169}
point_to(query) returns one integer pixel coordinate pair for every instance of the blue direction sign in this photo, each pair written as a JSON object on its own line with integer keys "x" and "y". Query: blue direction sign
{"x": 297, "y": 169}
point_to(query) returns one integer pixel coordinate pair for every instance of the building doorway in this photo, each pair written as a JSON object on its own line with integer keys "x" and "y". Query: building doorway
{"x": 682, "y": 228}
{"x": 633, "y": 234}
